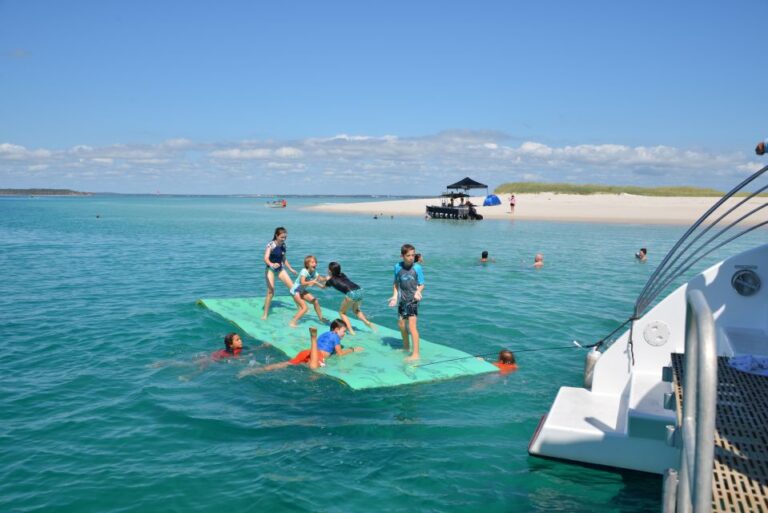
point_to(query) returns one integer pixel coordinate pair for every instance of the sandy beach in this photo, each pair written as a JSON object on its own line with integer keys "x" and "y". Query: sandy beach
{"x": 603, "y": 208}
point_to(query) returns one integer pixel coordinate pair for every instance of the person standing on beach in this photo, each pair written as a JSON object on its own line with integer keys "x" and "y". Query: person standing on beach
{"x": 277, "y": 262}
{"x": 406, "y": 294}
{"x": 512, "y": 203}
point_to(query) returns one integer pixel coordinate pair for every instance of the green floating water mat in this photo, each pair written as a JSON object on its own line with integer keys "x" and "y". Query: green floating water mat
{"x": 380, "y": 365}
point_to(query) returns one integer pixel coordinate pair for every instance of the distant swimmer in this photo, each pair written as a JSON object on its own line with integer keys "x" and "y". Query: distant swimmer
{"x": 506, "y": 362}
{"x": 761, "y": 147}
{"x": 277, "y": 262}
{"x": 419, "y": 259}
{"x": 642, "y": 255}
{"x": 353, "y": 295}
{"x": 407, "y": 287}
{"x": 320, "y": 348}
{"x": 538, "y": 261}
{"x": 484, "y": 259}
{"x": 308, "y": 277}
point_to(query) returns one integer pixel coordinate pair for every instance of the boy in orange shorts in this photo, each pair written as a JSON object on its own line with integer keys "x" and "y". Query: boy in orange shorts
{"x": 329, "y": 343}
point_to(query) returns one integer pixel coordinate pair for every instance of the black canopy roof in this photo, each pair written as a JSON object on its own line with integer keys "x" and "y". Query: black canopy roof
{"x": 467, "y": 183}
{"x": 454, "y": 195}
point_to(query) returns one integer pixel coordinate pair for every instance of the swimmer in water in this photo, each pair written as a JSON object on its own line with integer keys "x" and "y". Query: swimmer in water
{"x": 485, "y": 259}
{"x": 320, "y": 348}
{"x": 506, "y": 362}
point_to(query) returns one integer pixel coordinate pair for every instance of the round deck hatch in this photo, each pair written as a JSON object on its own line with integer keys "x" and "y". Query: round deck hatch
{"x": 656, "y": 333}
{"x": 745, "y": 282}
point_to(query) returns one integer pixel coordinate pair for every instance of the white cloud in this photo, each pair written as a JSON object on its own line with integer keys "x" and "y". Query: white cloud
{"x": 238, "y": 154}
{"x": 357, "y": 163}
{"x": 16, "y": 152}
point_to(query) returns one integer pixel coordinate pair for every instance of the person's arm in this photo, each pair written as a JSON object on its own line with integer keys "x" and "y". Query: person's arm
{"x": 393, "y": 299}
{"x": 304, "y": 281}
{"x": 420, "y": 288}
{"x": 340, "y": 351}
{"x": 290, "y": 268}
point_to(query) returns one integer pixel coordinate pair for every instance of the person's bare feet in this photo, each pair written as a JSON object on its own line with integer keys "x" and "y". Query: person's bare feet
{"x": 292, "y": 324}
{"x": 413, "y": 358}
{"x": 313, "y": 331}
{"x": 264, "y": 317}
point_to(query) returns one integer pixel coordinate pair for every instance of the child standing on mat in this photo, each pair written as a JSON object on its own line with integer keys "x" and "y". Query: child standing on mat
{"x": 352, "y": 292}
{"x": 277, "y": 263}
{"x": 406, "y": 294}
{"x": 307, "y": 278}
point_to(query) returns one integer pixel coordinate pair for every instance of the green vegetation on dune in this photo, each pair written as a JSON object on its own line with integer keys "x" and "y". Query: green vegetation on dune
{"x": 42, "y": 192}
{"x": 568, "y": 188}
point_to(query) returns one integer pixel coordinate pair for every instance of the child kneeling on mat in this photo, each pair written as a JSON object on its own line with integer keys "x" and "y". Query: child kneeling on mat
{"x": 327, "y": 344}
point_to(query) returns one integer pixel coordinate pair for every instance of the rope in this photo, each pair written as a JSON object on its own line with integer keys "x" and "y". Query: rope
{"x": 483, "y": 355}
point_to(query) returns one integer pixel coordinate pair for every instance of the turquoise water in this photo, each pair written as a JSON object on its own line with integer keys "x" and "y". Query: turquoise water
{"x": 89, "y": 304}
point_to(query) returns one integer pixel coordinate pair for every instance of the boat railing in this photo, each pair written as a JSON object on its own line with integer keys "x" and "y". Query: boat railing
{"x": 732, "y": 216}
{"x": 690, "y": 489}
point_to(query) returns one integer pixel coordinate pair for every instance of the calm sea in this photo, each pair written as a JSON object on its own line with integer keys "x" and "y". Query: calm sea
{"x": 96, "y": 290}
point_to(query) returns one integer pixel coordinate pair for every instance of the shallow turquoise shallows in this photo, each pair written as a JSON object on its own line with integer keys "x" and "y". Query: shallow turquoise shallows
{"x": 110, "y": 404}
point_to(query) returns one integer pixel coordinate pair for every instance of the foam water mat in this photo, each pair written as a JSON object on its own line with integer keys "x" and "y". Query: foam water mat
{"x": 381, "y": 364}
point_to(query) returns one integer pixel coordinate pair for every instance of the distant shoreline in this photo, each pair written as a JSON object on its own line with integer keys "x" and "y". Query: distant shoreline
{"x": 593, "y": 208}
{"x": 42, "y": 192}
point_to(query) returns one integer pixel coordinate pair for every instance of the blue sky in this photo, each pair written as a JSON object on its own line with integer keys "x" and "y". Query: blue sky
{"x": 387, "y": 97}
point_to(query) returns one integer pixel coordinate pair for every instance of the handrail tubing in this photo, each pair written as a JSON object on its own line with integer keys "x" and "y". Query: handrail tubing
{"x": 699, "y": 406}
{"x": 647, "y": 296}
{"x": 693, "y": 227}
{"x": 682, "y": 268}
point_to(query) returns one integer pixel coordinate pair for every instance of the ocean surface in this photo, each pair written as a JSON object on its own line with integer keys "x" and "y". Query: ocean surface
{"x": 104, "y": 408}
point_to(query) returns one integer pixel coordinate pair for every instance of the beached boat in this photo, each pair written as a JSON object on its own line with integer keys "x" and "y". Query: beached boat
{"x": 684, "y": 391}
{"x": 281, "y": 203}
{"x": 453, "y": 204}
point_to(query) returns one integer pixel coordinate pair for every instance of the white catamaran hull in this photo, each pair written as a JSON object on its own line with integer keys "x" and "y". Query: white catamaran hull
{"x": 622, "y": 421}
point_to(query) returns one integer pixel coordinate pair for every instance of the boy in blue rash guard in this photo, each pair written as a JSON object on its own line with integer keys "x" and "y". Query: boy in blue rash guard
{"x": 327, "y": 344}
{"x": 406, "y": 294}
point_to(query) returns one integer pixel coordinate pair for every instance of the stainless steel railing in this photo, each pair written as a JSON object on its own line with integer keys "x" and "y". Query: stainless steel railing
{"x": 690, "y": 490}
{"x": 723, "y": 223}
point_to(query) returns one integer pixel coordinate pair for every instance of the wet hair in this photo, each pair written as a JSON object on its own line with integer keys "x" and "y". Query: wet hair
{"x": 308, "y": 259}
{"x": 406, "y": 248}
{"x": 278, "y": 231}
{"x": 338, "y": 323}
{"x": 418, "y": 257}
{"x": 644, "y": 251}
{"x": 335, "y": 269}
{"x": 484, "y": 254}
{"x": 228, "y": 340}
{"x": 507, "y": 357}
